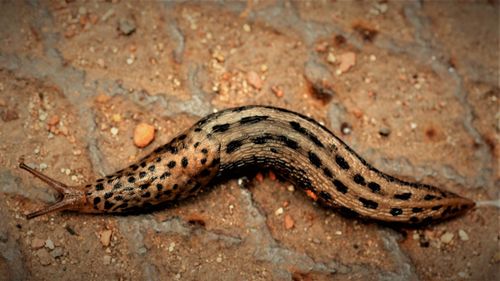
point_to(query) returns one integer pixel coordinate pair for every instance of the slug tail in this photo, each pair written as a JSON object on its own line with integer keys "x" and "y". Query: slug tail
{"x": 69, "y": 198}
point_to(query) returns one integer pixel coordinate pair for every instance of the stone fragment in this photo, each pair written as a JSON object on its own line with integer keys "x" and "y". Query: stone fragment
{"x": 143, "y": 135}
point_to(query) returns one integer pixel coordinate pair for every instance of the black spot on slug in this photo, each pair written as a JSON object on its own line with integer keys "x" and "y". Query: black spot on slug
{"x": 184, "y": 162}
{"x": 203, "y": 161}
{"x": 165, "y": 175}
{"x": 118, "y": 185}
{"x": 261, "y": 139}
{"x": 233, "y": 146}
{"x": 144, "y": 186}
{"x": 314, "y": 159}
{"x": 197, "y": 129}
{"x": 375, "y": 187}
{"x": 288, "y": 142}
{"x": 204, "y": 151}
{"x": 99, "y": 186}
{"x": 100, "y": 180}
{"x": 108, "y": 195}
{"x": 341, "y": 187}
{"x": 252, "y": 119}
{"x": 359, "y": 179}
{"x": 159, "y": 186}
{"x": 196, "y": 144}
{"x": 143, "y": 164}
{"x": 134, "y": 167}
{"x": 118, "y": 198}
{"x": 403, "y": 196}
{"x": 220, "y": 128}
{"x": 429, "y": 197}
{"x": 327, "y": 172}
{"x": 152, "y": 168}
{"x": 146, "y": 195}
{"x": 417, "y": 210}
{"x": 396, "y": 211}
{"x": 171, "y": 164}
{"x": 97, "y": 200}
{"x": 158, "y": 160}
{"x": 273, "y": 150}
{"x": 182, "y": 137}
{"x": 437, "y": 207}
{"x": 131, "y": 179}
{"x": 142, "y": 174}
{"x": 297, "y": 127}
{"x": 368, "y": 203}
{"x": 326, "y": 196}
{"x": 341, "y": 162}
{"x": 108, "y": 205}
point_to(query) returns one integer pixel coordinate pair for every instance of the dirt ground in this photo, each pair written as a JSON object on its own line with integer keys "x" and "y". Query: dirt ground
{"x": 412, "y": 86}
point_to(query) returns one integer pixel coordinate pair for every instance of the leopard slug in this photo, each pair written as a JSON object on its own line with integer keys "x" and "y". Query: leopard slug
{"x": 302, "y": 150}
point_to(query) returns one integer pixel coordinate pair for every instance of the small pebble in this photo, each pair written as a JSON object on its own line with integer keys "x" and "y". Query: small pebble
{"x": 114, "y": 131}
{"x": 171, "y": 247}
{"x": 37, "y": 243}
{"x": 247, "y": 28}
{"x": 447, "y": 237}
{"x": 49, "y": 244}
{"x": 289, "y": 223}
{"x": 291, "y": 188}
{"x": 57, "y": 252}
{"x": 331, "y": 58}
{"x": 105, "y": 237}
{"x": 44, "y": 257}
{"x": 219, "y": 259}
{"x": 144, "y": 134}
{"x": 347, "y": 60}
{"x": 278, "y": 212}
{"x": 385, "y": 132}
{"x": 338, "y": 232}
{"x": 463, "y": 235}
{"x": 126, "y": 26}
{"x": 345, "y": 128}
{"x": 43, "y": 166}
{"x": 254, "y": 80}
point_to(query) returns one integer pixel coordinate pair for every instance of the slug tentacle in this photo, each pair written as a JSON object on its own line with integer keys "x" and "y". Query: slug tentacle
{"x": 69, "y": 198}
{"x": 306, "y": 153}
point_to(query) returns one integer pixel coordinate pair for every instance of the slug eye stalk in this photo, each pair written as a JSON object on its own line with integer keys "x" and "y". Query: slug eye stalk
{"x": 69, "y": 197}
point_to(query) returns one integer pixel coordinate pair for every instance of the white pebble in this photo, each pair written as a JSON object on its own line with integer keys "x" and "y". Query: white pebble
{"x": 291, "y": 188}
{"x": 43, "y": 166}
{"x": 247, "y": 28}
{"x": 49, "y": 244}
{"x": 278, "y": 212}
{"x": 447, "y": 237}
{"x": 463, "y": 235}
{"x": 171, "y": 247}
{"x": 114, "y": 131}
{"x": 338, "y": 232}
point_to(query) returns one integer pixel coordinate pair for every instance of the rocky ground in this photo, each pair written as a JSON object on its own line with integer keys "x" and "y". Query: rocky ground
{"x": 412, "y": 86}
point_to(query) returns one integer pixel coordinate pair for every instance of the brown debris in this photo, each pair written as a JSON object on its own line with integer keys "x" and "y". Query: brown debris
{"x": 289, "y": 222}
{"x": 366, "y": 32}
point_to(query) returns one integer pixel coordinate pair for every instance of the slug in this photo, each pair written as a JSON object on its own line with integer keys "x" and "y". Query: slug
{"x": 300, "y": 149}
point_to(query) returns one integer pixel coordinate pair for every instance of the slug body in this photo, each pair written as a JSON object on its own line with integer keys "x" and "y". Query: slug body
{"x": 303, "y": 151}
